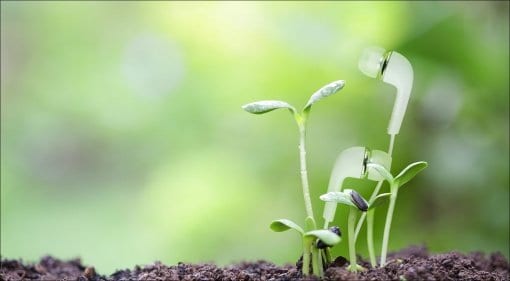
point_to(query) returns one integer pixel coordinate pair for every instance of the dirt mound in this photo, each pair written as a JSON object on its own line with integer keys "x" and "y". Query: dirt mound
{"x": 413, "y": 263}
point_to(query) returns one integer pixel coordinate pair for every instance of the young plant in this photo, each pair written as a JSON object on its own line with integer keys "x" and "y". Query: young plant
{"x": 395, "y": 183}
{"x": 311, "y": 240}
{"x": 261, "y": 107}
{"x": 356, "y": 203}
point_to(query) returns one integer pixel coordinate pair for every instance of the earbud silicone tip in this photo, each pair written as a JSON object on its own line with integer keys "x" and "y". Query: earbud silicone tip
{"x": 370, "y": 61}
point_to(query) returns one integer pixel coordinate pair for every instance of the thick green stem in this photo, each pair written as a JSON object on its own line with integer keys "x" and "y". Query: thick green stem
{"x": 387, "y": 226}
{"x": 352, "y": 242}
{"x": 370, "y": 237}
{"x": 304, "y": 172}
{"x": 306, "y": 258}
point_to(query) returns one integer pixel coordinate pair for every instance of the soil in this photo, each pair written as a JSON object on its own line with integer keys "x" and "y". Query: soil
{"x": 413, "y": 263}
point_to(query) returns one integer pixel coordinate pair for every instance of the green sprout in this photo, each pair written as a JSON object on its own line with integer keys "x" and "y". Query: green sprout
{"x": 310, "y": 240}
{"x": 356, "y": 203}
{"x": 261, "y": 107}
{"x": 395, "y": 183}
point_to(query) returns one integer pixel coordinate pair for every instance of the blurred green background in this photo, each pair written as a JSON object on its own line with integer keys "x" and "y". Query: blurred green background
{"x": 123, "y": 140}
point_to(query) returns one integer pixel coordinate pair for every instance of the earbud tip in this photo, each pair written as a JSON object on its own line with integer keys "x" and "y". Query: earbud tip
{"x": 370, "y": 61}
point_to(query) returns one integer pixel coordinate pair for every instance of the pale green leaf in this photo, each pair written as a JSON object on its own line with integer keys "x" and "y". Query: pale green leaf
{"x": 342, "y": 197}
{"x": 285, "y": 224}
{"x": 410, "y": 172}
{"x": 323, "y": 92}
{"x": 329, "y": 238}
{"x": 382, "y": 171}
{"x": 379, "y": 200}
{"x": 260, "y": 107}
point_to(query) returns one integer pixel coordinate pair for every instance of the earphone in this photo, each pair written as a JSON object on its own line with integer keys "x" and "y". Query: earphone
{"x": 351, "y": 163}
{"x": 392, "y": 68}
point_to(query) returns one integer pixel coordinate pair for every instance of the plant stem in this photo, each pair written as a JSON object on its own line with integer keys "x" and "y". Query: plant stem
{"x": 306, "y": 258}
{"x": 321, "y": 264}
{"x": 352, "y": 242}
{"x": 370, "y": 237}
{"x": 387, "y": 226}
{"x": 304, "y": 172}
{"x": 327, "y": 256}
{"x": 316, "y": 262}
{"x": 364, "y": 215}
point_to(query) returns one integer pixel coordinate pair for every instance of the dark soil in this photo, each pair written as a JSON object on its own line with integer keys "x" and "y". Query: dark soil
{"x": 414, "y": 263}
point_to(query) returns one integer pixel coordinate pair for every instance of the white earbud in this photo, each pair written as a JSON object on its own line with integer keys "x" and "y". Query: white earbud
{"x": 351, "y": 163}
{"x": 394, "y": 69}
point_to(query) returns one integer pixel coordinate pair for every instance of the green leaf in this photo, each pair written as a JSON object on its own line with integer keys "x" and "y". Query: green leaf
{"x": 284, "y": 225}
{"x": 382, "y": 171}
{"x": 379, "y": 200}
{"x": 329, "y": 238}
{"x": 261, "y": 107}
{"x": 323, "y": 92}
{"x": 410, "y": 172}
{"x": 342, "y": 197}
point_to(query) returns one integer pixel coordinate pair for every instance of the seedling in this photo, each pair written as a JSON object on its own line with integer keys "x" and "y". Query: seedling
{"x": 310, "y": 248}
{"x": 395, "y": 183}
{"x": 356, "y": 203}
{"x": 311, "y": 241}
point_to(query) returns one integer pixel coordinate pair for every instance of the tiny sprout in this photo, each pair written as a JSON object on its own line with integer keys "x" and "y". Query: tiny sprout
{"x": 261, "y": 107}
{"x": 312, "y": 234}
{"x": 395, "y": 183}
{"x": 329, "y": 238}
{"x": 356, "y": 203}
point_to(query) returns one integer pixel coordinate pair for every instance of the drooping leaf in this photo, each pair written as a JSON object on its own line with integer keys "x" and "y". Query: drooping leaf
{"x": 285, "y": 224}
{"x": 323, "y": 92}
{"x": 410, "y": 172}
{"x": 382, "y": 171}
{"x": 342, "y": 197}
{"x": 379, "y": 200}
{"x": 260, "y": 107}
{"x": 327, "y": 237}
{"x": 310, "y": 224}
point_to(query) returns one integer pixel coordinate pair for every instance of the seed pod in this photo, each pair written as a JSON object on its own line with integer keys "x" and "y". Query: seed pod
{"x": 359, "y": 201}
{"x": 335, "y": 230}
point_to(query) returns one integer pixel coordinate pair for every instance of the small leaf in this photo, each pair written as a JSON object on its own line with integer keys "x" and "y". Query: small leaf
{"x": 260, "y": 107}
{"x": 323, "y": 92}
{"x": 285, "y": 224}
{"x": 327, "y": 237}
{"x": 382, "y": 171}
{"x": 410, "y": 172}
{"x": 338, "y": 197}
{"x": 379, "y": 200}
